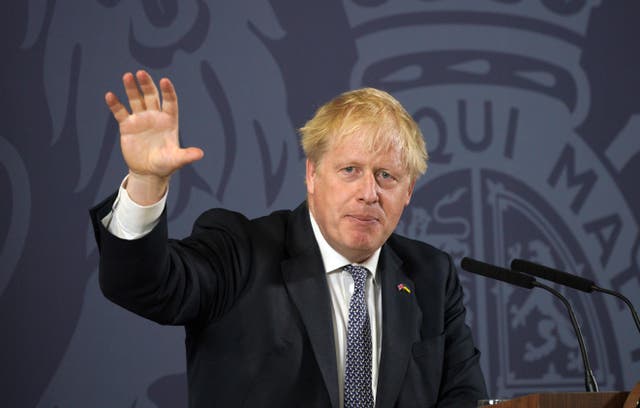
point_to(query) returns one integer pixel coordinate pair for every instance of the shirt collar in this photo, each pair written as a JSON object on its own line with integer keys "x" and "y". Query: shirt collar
{"x": 333, "y": 260}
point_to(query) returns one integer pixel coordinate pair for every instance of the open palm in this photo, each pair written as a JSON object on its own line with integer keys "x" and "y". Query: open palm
{"x": 149, "y": 133}
{"x": 149, "y": 136}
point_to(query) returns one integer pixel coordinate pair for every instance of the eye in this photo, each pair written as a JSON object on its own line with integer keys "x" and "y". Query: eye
{"x": 385, "y": 179}
{"x": 349, "y": 171}
{"x": 385, "y": 175}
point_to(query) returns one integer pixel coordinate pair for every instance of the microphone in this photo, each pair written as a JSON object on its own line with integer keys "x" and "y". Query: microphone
{"x": 528, "y": 282}
{"x": 572, "y": 281}
{"x": 496, "y": 272}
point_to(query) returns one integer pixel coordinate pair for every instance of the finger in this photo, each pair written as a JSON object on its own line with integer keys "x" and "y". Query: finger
{"x": 189, "y": 155}
{"x": 169, "y": 97}
{"x": 136, "y": 101}
{"x": 149, "y": 90}
{"x": 116, "y": 107}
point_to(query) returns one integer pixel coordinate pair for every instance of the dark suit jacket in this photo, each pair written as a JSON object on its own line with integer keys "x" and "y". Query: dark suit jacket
{"x": 253, "y": 297}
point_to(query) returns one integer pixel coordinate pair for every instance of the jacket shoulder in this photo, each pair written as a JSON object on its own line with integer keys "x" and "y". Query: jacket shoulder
{"x": 408, "y": 248}
{"x": 272, "y": 227}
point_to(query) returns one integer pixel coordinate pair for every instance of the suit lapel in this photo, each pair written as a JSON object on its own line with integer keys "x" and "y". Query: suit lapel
{"x": 306, "y": 283}
{"x": 400, "y": 327}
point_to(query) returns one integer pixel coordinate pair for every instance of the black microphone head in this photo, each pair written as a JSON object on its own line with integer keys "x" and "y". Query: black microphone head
{"x": 495, "y": 272}
{"x": 553, "y": 275}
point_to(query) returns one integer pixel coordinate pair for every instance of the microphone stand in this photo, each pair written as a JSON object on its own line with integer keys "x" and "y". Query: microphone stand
{"x": 527, "y": 281}
{"x": 589, "y": 378}
{"x": 624, "y": 299}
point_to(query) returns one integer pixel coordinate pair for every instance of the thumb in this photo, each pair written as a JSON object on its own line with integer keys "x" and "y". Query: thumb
{"x": 189, "y": 155}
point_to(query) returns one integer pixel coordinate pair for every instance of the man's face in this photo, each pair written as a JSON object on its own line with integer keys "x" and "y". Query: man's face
{"x": 357, "y": 196}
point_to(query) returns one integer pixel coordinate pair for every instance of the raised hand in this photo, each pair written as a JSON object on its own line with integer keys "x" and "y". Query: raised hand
{"x": 149, "y": 136}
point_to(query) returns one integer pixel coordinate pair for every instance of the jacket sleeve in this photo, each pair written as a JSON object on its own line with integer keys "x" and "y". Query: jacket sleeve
{"x": 462, "y": 379}
{"x": 170, "y": 281}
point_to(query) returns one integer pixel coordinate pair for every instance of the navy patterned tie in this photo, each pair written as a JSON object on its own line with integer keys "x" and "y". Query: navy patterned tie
{"x": 357, "y": 382}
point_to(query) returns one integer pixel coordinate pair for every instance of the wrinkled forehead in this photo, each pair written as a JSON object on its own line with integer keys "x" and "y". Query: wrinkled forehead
{"x": 373, "y": 143}
{"x": 373, "y": 137}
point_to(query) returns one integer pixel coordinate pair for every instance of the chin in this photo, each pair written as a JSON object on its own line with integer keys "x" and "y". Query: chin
{"x": 361, "y": 247}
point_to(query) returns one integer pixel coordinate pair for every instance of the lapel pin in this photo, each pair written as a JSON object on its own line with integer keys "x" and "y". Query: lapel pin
{"x": 402, "y": 286}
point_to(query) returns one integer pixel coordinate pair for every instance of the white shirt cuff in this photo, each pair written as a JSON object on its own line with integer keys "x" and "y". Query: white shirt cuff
{"x": 128, "y": 220}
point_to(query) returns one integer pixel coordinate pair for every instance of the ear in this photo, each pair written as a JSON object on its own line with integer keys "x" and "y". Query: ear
{"x": 410, "y": 192}
{"x": 310, "y": 177}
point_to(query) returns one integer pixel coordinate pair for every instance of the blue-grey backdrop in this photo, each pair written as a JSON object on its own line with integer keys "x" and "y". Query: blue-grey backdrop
{"x": 530, "y": 110}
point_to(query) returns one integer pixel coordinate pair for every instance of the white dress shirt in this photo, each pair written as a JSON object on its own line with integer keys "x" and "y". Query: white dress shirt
{"x": 128, "y": 220}
{"x": 341, "y": 289}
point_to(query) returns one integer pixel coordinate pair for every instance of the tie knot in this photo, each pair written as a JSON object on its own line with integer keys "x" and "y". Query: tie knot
{"x": 359, "y": 274}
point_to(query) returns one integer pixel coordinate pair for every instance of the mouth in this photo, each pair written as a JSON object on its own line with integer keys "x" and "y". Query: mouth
{"x": 363, "y": 219}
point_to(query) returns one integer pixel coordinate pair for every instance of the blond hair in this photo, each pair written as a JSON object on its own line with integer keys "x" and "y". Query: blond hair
{"x": 386, "y": 122}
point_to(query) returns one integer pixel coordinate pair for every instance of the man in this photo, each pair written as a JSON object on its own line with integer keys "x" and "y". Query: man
{"x": 322, "y": 306}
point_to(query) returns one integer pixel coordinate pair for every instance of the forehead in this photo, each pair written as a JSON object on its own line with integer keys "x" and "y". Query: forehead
{"x": 366, "y": 146}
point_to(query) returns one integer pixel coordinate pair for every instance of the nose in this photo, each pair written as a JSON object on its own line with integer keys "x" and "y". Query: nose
{"x": 368, "y": 192}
